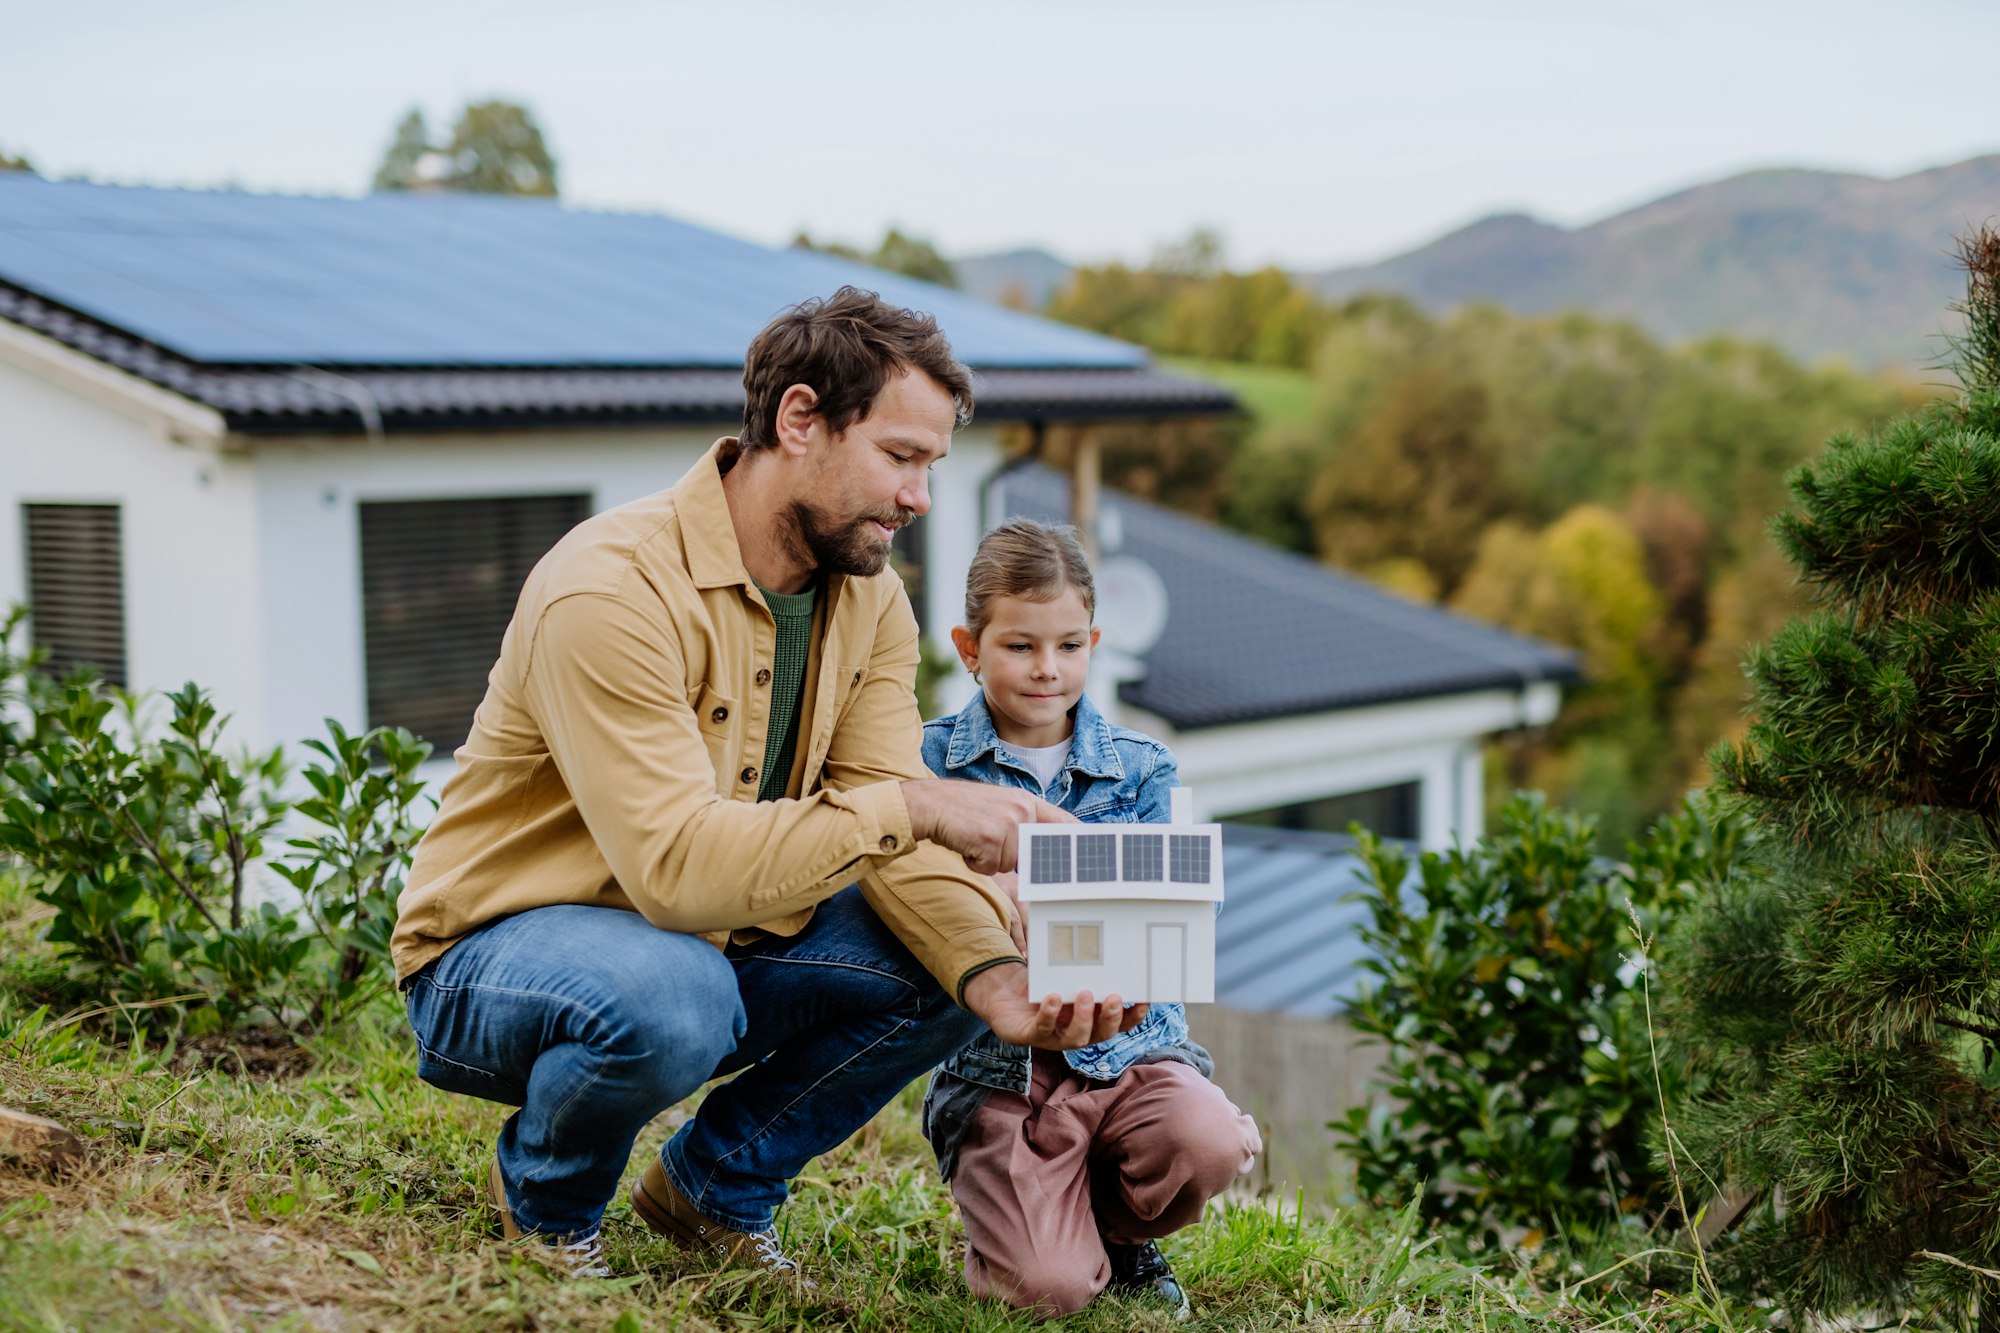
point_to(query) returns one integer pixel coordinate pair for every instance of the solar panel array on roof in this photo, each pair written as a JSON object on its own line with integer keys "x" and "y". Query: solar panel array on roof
{"x": 228, "y": 277}
{"x": 1256, "y": 632}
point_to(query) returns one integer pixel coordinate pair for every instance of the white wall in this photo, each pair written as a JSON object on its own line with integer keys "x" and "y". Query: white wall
{"x": 309, "y": 535}
{"x": 952, "y": 534}
{"x": 188, "y": 534}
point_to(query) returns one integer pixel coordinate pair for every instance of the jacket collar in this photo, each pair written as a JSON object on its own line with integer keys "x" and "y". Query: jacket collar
{"x": 1090, "y": 747}
{"x": 714, "y": 559}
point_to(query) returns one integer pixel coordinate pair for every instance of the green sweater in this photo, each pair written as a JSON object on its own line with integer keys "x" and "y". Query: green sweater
{"x": 794, "y": 614}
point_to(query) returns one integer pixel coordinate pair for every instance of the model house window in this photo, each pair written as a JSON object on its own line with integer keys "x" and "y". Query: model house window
{"x": 1076, "y": 942}
{"x": 1096, "y": 857}
{"x": 438, "y": 583}
{"x": 76, "y": 587}
{"x": 1145, "y": 856}
{"x": 1190, "y": 858}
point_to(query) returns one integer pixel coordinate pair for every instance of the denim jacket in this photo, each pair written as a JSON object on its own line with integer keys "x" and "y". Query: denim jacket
{"x": 1111, "y": 776}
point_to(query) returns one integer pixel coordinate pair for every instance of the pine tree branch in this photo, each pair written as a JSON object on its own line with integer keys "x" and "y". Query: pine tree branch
{"x": 1986, "y": 1030}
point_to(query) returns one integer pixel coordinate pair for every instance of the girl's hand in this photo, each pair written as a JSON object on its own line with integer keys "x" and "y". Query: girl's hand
{"x": 1000, "y": 996}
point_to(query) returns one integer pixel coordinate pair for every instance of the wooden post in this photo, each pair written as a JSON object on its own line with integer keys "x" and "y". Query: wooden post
{"x": 1085, "y": 474}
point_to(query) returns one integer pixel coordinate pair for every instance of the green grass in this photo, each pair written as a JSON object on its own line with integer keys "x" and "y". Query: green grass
{"x": 348, "y": 1198}
{"x": 1274, "y": 395}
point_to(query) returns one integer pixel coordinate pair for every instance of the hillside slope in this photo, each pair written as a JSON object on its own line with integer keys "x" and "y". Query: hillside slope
{"x": 1826, "y": 264}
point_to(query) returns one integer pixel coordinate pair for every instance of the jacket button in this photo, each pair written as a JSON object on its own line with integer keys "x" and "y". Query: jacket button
{"x": 749, "y": 775}
{"x": 889, "y": 843}
{"x": 719, "y": 715}
{"x": 764, "y": 676}
{"x": 857, "y": 678}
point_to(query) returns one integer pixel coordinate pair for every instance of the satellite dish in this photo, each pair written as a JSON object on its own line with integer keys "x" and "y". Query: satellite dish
{"x": 1131, "y": 605}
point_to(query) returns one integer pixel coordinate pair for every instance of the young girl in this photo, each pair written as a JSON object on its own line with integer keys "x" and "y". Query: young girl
{"x": 1067, "y": 1167}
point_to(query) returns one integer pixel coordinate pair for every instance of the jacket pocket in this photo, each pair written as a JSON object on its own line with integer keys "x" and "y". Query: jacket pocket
{"x": 846, "y": 684}
{"x": 715, "y": 716}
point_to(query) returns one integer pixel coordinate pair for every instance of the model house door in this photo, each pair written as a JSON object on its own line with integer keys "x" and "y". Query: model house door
{"x": 1166, "y": 962}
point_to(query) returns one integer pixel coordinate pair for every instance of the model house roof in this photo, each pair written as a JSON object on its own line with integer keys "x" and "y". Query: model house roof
{"x": 1088, "y": 862}
{"x": 1255, "y": 632}
{"x": 1287, "y": 941}
{"x": 450, "y": 311}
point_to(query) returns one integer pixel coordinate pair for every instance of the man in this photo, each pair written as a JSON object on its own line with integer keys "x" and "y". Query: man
{"x": 691, "y": 832}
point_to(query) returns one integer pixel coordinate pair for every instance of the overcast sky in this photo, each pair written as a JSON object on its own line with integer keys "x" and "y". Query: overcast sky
{"x": 1307, "y": 133}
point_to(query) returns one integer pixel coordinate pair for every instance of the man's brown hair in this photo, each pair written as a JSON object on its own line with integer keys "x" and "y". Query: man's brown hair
{"x": 843, "y": 347}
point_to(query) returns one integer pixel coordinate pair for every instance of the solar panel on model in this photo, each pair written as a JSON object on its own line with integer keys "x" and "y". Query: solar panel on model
{"x": 224, "y": 276}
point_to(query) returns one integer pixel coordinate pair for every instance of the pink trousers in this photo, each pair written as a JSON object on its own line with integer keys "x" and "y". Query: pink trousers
{"x": 1044, "y": 1180}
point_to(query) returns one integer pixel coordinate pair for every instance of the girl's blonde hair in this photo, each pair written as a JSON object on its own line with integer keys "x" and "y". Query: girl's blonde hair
{"x": 1023, "y": 558}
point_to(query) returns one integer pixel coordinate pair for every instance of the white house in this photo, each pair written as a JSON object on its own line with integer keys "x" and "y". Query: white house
{"x": 303, "y": 451}
{"x": 1123, "y": 909}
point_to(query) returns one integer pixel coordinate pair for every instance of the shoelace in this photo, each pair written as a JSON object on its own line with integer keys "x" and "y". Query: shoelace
{"x": 583, "y": 1257}
{"x": 772, "y": 1258}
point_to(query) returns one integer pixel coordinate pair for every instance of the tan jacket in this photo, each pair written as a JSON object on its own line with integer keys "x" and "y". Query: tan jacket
{"x": 614, "y": 760}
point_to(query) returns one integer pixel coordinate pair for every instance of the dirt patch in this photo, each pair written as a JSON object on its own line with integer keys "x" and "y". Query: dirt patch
{"x": 258, "y": 1054}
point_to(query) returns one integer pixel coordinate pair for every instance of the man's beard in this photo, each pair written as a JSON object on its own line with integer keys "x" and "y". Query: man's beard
{"x": 849, "y": 548}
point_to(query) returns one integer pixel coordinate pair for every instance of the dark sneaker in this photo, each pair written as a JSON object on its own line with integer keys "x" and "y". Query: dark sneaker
{"x": 582, "y": 1257}
{"x": 661, "y": 1207}
{"x": 1142, "y": 1271}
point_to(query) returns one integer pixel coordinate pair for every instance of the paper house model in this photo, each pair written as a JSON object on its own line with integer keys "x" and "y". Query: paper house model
{"x": 1123, "y": 908}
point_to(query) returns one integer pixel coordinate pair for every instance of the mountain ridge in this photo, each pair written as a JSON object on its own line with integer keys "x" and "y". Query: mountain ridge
{"x": 1823, "y": 263}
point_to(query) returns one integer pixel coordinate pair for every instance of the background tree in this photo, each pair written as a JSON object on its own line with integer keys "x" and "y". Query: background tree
{"x": 410, "y": 163}
{"x": 1392, "y": 444}
{"x": 898, "y": 252}
{"x": 1848, "y": 1004}
{"x": 495, "y": 148}
{"x": 14, "y": 162}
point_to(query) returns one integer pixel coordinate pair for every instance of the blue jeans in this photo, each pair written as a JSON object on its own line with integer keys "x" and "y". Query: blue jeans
{"x": 592, "y": 1022}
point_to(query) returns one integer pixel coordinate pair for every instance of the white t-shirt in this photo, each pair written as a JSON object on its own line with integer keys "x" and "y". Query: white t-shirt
{"x": 1044, "y": 762}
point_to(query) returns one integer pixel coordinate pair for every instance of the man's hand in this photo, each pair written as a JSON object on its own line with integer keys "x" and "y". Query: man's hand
{"x": 1009, "y": 883}
{"x": 1000, "y": 996}
{"x": 979, "y": 822}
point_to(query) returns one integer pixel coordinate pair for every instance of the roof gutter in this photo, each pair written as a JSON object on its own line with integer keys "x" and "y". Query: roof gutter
{"x": 178, "y": 419}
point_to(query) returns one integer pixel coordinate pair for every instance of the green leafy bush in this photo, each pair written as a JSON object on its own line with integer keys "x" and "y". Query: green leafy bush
{"x": 1521, "y": 1084}
{"x": 147, "y": 844}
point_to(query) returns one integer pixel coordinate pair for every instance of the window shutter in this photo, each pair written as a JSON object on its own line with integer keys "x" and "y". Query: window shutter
{"x": 439, "y": 579}
{"x": 76, "y": 587}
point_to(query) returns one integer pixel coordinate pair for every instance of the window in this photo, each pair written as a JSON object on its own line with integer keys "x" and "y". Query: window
{"x": 439, "y": 579}
{"x": 1190, "y": 858}
{"x": 1145, "y": 856}
{"x": 76, "y": 587}
{"x": 1076, "y": 942}
{"x": 1387, "y": 812}
{"x": 1050, "y": 861}
{"x": 1096, "y": 857}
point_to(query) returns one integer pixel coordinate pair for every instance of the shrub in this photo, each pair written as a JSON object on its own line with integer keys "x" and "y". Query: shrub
{"x": 1521, "y": 1088}
{"x": 148, "y": 846}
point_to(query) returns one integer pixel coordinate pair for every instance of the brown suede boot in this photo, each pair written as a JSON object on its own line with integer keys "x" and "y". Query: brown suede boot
{"x": 662, "y": 1207}
{"x": 580, "y": 1258}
